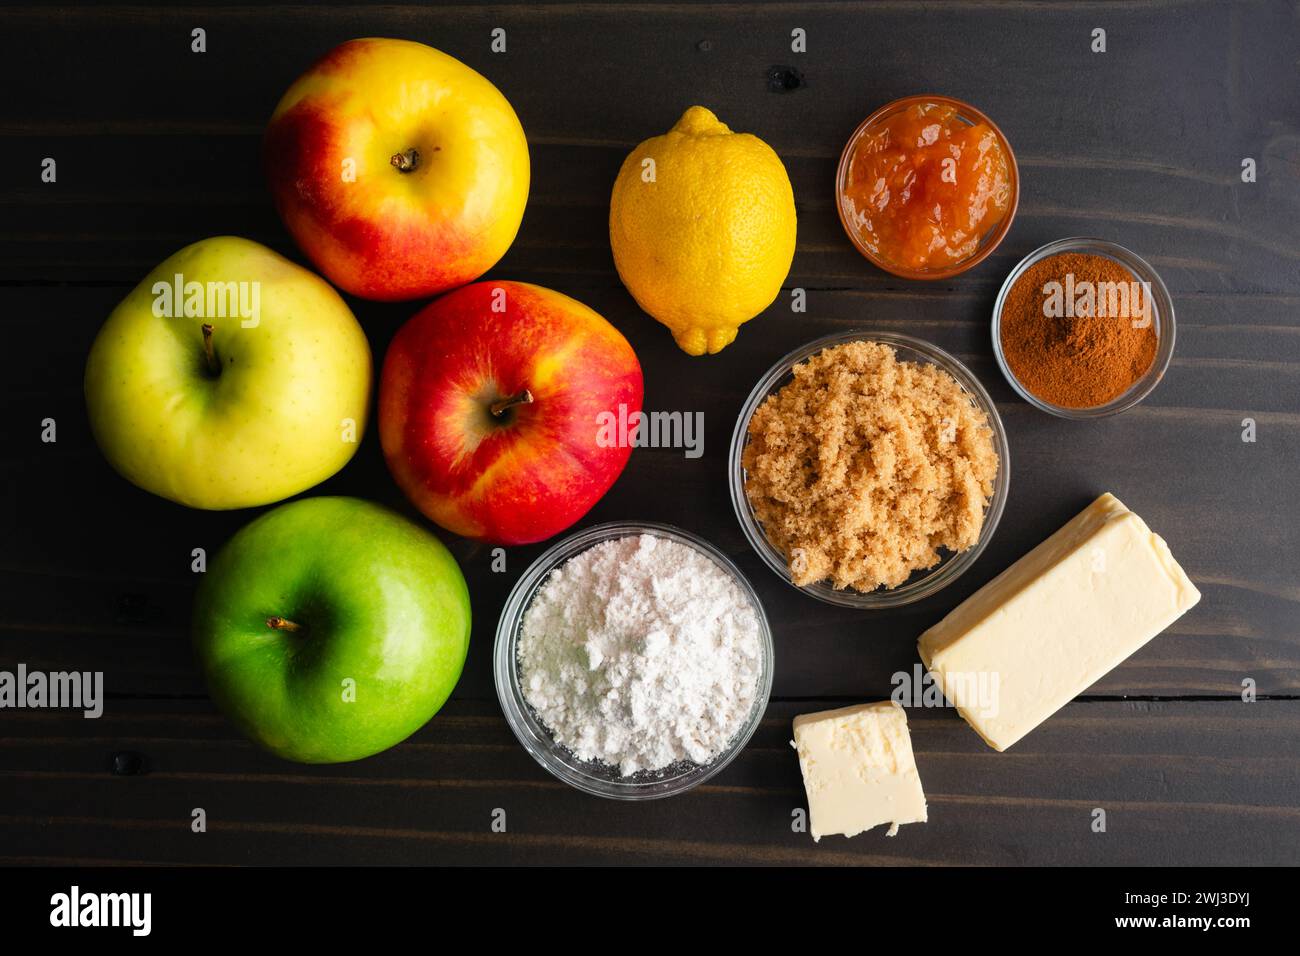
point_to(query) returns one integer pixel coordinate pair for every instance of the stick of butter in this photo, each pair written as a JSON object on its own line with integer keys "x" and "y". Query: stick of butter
{"x": 858, "y": 769}
{"x": 1055, "y": 622}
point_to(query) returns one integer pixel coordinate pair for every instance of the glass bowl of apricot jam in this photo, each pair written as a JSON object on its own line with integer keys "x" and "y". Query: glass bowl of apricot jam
{"x": 927, "y": 187}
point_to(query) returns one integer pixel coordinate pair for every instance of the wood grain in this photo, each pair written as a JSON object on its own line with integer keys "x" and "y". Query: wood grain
{"x": 1142, "y": 145}
{"x": 1186, "y": 783}
{"x": 1175, "y": 459}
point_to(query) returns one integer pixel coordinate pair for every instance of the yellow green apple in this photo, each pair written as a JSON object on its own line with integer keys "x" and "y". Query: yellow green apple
{"x": 229, "y": 377}
{"x": 399, "y": 171}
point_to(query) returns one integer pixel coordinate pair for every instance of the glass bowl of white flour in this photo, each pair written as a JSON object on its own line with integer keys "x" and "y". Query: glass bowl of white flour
{"x": 633, "y": 660}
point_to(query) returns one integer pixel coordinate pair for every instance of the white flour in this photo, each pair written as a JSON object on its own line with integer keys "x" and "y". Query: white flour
{"x": 641, "y": 652}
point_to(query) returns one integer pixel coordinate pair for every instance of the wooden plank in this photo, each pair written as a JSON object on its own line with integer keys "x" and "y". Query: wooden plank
{"x": 1165, "y": 180}
{"x": 1191, "y": 783}
{"x": 105, "y": 584}
{"x": 1142, "y": 145}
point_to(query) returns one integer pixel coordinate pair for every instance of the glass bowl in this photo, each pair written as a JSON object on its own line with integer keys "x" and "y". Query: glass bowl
{"x": 597, "y": 777}
{"x": 967, "y": 114}
{"x": 922, "y": 584}
{"x": 1162, "y": 314}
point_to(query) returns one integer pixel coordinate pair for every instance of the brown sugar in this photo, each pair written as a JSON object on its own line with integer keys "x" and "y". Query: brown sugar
{"x": 1077, "y": 330}
{"x": 864, "y": 466}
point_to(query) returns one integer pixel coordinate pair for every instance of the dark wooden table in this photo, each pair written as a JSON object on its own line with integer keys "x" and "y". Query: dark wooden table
{"x": 157, "y": 146}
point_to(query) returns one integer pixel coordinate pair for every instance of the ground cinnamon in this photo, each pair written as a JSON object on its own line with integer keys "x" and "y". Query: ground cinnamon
{"x": 1078, "y": 330}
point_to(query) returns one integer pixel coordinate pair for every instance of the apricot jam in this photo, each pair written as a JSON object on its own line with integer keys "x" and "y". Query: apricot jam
{"x": 921, "y": 187}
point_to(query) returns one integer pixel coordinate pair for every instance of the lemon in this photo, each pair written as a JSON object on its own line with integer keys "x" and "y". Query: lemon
{"x": 702, "y": 226}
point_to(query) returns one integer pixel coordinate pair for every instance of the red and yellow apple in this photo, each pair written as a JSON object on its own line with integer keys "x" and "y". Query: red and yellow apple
{"x": 400, "y": 171}
{"x": 494, "y": 406}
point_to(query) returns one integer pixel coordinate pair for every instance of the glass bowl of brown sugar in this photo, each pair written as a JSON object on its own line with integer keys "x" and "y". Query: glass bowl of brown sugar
{"x": 923, "y": 581}
{"x": 1083, "y": 328}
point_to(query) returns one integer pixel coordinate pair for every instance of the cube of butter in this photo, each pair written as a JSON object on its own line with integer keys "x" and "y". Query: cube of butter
{"x": 858, "y": 769}
{"x": 1051, "y": 625}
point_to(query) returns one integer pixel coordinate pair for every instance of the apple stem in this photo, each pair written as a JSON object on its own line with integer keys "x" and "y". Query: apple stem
{"x": 406, "y": 161}
{"x": 282, "y": 624}
{"x": 209, "y": 352}
{"x": 500, "y": 408}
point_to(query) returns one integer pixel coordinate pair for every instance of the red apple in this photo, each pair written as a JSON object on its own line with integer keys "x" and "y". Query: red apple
{"x": 494, "y": 407}
{"x": 400, "y": 172}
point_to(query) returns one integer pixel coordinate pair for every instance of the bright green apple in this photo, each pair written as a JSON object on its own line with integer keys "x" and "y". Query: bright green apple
{"x": 330, "y": 629}
{"x": 230, "y": 377}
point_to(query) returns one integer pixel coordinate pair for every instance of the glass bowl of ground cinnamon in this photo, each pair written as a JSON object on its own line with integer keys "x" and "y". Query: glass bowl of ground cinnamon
{"x": 1083, "y": 328}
